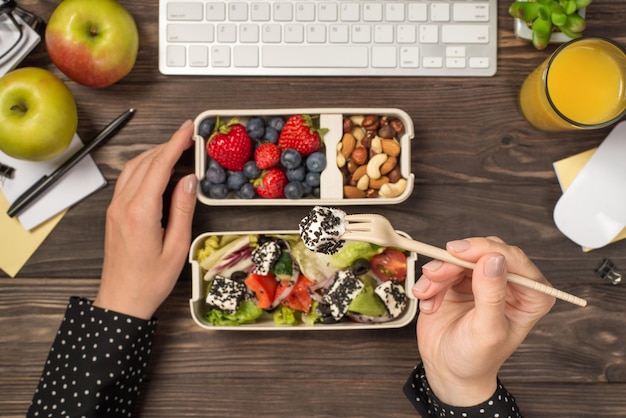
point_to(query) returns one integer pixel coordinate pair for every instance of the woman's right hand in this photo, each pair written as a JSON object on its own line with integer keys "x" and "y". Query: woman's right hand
{"x": 471, "y": 321}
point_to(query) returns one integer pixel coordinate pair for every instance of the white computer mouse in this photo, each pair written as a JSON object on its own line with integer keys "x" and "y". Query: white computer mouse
{"x": 592, "y": 211}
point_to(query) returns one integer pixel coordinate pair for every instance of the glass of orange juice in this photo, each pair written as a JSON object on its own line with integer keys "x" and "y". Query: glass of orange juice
{"x": 581, "y": 86}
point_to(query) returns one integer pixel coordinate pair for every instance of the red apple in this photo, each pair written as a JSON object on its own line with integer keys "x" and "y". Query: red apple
{"x": 38, "y": 116}
{"x": 93, "y": 42}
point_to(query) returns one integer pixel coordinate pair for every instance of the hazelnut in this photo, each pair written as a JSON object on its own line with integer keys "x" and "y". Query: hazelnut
{"x": 395, "y": 174}
{"x": 347, "y": 125}
{"x": 387, "y": 132}
{"x": 397, "y": 125}
{"x": 359, "y": 155}
{"x": 371, "y": 123}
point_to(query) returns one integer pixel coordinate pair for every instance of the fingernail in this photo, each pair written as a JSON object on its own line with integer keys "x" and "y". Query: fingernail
{"x": 190, "y": 183}
{"x": 185, "y": 124}
{"x": 433, "y": 265}
{"x": 421, "y": 285}
{"x": 426, "y": 305}
{"x": 494, "y": 267}
{"x": 458, "y": 246}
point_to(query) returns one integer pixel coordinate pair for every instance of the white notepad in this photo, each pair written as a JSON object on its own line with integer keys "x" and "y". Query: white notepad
{"x": 81, "y": 181}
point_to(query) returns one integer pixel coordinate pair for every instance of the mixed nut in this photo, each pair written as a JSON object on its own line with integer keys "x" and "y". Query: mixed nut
{"x": 368, "y": 157}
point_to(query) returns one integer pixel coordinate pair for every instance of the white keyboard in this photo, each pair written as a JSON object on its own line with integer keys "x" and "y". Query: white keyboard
{"x": 328, "y": 38}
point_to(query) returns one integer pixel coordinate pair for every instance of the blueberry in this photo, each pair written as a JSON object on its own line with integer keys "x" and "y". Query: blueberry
{"x": 316, "y": 192}
{"x": 255, "y": 127}
{"x": 276, "y": 122}
{"x": 213, "y": 163}
{"x": 218, "y": 191}
{"x": 307, "y": 189}
{"x": 296, "y": 174}
{"x": 271, "y": 135}
{"x": 294, "y": 190}
{"x": 206, "y": 128}
{"x": 215, "y": 174}
{"x": 251, "y": 170}
{"x": 316, "y": 162}
{"x": 235, "y": 180}
{"x": 312, "y": 178}
{"x": 290, "y": 158}
{"x": 246, "y": 192}
{"x": 205, "y": 185}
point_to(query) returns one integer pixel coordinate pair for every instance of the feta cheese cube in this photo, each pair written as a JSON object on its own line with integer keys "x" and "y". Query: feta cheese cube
{"x": 393, "y": 296}
{"x": 343, "y": 290}
{"x": 226, "y": 294}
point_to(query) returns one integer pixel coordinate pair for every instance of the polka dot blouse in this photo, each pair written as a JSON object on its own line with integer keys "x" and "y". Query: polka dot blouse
{"x": 500, "y": 405}
{"x": 96, "y": 364}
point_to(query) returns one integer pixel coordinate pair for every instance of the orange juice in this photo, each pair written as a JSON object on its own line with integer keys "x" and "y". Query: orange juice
{"x": 581, "y": 86}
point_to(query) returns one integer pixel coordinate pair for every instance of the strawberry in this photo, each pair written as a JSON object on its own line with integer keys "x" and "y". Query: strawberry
{"x": 300, "y": 134}
{"x": 267, "y": 155}
{"x": 271, "y": 184}
{"x": 230, "y": 145}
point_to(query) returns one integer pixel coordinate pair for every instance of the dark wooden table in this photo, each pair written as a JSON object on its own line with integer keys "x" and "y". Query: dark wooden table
{"x": 480, "y": 170}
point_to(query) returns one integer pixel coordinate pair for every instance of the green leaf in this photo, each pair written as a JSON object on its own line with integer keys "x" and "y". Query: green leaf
{"x": 525, "y": 10}
{"x": 574, "y": 23}
{"x": 559, "y": 19}
{"x": 542, "y": 30}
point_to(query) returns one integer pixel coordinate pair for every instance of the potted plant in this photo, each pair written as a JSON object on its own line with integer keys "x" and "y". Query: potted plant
{"x": 545, "y": 21}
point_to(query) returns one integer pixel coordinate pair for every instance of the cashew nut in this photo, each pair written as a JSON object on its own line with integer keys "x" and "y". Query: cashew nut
{"x": 373, "y": 166}
{"x": 363, "y": 183}
{"x": 392, "y": 189}
{"x": 341, "y": 160}
{"x": 377, "y": 145}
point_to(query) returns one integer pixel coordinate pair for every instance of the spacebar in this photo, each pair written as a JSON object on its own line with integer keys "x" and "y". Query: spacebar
{"x": 313, "y": 56}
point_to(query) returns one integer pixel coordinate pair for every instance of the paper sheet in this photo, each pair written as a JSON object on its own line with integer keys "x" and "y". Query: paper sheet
{"x": 566, "y": 171}
{"x": 17, "y": 244}
{"x": 82, "y": 180}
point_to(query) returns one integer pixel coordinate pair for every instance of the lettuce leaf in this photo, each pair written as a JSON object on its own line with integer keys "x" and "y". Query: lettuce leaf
{"x": 247, "y": 313}
{"x": 284, "y": 315}
{"x": 353, "y": 250}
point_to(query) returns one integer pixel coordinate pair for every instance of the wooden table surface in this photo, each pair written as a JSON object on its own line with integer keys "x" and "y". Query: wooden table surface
{"x": 480, "y": 170}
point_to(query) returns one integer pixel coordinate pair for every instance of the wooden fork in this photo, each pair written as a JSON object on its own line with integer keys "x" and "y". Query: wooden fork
{"x": 376, "y": 229}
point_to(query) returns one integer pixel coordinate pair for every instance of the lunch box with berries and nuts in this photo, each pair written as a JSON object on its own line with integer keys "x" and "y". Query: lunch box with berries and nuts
{"x": 305, "y": 157}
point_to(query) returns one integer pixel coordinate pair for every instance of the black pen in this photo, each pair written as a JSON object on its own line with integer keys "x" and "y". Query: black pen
{"x": 42, "y": 186}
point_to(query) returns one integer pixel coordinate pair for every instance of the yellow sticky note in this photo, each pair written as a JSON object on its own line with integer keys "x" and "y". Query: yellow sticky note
{"x": 17, "y": 245}
{"x": 566, "y": 171}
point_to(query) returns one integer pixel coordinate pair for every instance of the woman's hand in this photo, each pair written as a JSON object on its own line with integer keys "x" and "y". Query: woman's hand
{"x": 470, "y": 322}
{"x": 142, "y": 260}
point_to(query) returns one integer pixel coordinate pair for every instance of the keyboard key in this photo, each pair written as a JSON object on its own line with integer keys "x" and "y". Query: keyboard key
{"x": 433, "y": 62}
{"x": 373, "y": 12}
{"x": 220, "y": 56}
{"x": 465, "y": 34}
{"x": 479, "y": 62}
{"x": 184, "y": 11}
{"x": 470, "y": 12}
{"x": 394, "y": 12}
{"x": 350, "y": 12}
{"x": 197, "y": 32}
{"x": 409, "y": 57}
{"x": 238, "y": 12}
{"x": 294, "y": 34}
{"x": 440, "y": 12}
{"x": 215, "y": 11}
{"x": 327, "y": 12}
{"x": 283, "y": 12}
{"x": 305, "y": 12}
{"x": 176, "y": 56}
{"x": 260, "y": 12}
{"x": 429, "y": 34}
{"x": 198, "y": 56}
{"x": 315, "y": 57}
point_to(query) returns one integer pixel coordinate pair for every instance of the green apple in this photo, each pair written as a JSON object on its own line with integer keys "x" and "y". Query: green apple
{"x": 38, "y": 116}
{"x": 93, "y": 42}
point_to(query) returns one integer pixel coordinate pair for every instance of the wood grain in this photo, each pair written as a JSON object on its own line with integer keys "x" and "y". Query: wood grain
{"x": 480, "y": 170}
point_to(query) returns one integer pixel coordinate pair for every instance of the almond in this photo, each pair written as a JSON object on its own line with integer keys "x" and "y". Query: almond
{"x": 391, "y": 147}
{"x": 348, "y": 142}
{"x": 377, "y": 183}
{"x": 388, "y": 165}
{"x": 351, "y": 192}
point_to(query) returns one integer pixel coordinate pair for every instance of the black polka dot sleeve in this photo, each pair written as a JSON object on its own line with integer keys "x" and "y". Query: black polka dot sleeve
{"x": 96, "y": 364}
{"x": 500, "y": 405}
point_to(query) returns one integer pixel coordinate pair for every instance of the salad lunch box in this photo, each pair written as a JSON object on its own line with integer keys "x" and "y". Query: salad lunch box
{"x": 332, "y": 189}
{"x": 199, "y": 308}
